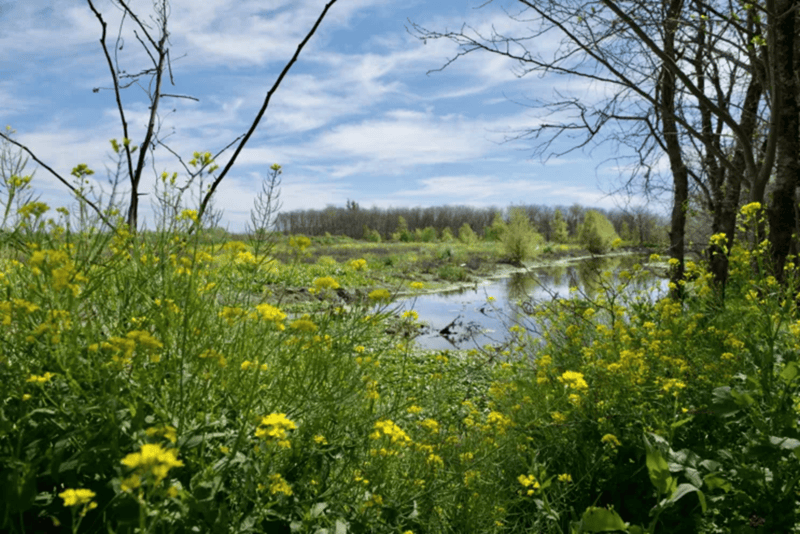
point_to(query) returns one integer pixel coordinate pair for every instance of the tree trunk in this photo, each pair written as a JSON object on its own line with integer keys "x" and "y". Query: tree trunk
{"x": 781, "y": 209}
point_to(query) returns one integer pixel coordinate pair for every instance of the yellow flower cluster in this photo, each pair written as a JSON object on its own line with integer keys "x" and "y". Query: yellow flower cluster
{"x": 40, "y": 379}
{"x": 79, "y": 497}
{"x": 574, "y": 380}
{"x": 529, "y": 482}
{"x": 358, "y": 265}
{"x": 277, "y": 484}
{"x": 152, "y": 460}
{"x": 274, "y": 427}
{"x": 386, "y": 427}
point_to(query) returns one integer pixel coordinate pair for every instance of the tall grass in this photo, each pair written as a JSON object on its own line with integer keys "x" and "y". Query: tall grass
{"x": 157, "y": 385}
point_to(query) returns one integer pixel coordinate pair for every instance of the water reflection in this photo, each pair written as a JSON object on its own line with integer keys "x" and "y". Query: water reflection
{"x": 481, "y": 314}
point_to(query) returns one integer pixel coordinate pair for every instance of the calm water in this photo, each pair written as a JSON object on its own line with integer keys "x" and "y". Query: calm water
{"x": 469, "y": 320}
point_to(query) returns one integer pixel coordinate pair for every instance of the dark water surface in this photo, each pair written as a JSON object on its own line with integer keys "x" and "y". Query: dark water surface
{"x": 469, "y": 318}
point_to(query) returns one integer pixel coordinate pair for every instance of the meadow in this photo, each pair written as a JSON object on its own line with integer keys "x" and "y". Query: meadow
{"x": 176, "y": 382}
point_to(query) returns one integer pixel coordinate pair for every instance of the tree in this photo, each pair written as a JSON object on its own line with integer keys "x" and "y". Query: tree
{"x": 154, "y": 39}
{"x": 597, "y": 233}
{"x": 560, "y": 234}
{"x": 691, "y": 81}
{"x": 519, "y": 238}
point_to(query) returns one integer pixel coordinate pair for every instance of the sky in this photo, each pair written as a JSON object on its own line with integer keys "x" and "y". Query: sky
{"x": 359, "y": 117}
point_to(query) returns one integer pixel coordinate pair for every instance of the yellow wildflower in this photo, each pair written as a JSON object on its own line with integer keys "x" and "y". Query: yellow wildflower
{"x": 380, "y": 294}
{"x": 78, "y": 497}
{"x": 153, "y": 459}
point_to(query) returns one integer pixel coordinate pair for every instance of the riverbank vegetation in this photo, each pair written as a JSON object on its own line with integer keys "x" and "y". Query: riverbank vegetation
{"x": 157, "y": 382}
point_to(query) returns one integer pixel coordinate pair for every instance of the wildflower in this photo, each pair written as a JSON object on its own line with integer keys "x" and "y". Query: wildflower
{"x": 380, "y": 294}
{"x": 358, "y": 265}
{"x": 303, "y": 325}
{"x": 565, "y": 477}
{"x": 414, "y": 409}
{"x": 574, "y": 380}
{"x": 750, "y": 210}
{"x": 529, "y": 482}
{"x": 394, "y": 432}
{"x": 40, "y": 379}
{"x": 410, "y": 314}
{"x": 431, "y": 424}
{"x": 325, "y": 282}
{"x": 277, "y": 484}
{"x": 152, "y": 459}
{"x": 299, "y": 242}
{"x": 267, "y": 312}
{"x": 319, "y": 439}
{"x": 78, "y": 497}
{"x": 274, "y": 427}
{"x": 611, "y": 439}
{"x": 188, "y": 215}
{"x": 417, "y": 285}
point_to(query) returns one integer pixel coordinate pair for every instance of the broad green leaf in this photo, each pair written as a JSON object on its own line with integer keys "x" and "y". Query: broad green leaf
{"x": 742, "y": 399}
{"x": 714, "y": 481}
{"x": 685, "y": 489}
{"x": 784, "y": 443}
{"x": 790, "y": 372}
{"x": 658, "y": 469}
{"x": 601, "y": 520}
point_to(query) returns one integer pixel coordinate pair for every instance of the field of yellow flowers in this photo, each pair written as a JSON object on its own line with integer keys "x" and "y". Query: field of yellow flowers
{"x": 162, "y": 383}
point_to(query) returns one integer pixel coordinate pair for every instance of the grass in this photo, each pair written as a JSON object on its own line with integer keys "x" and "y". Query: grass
{"x": 171, "y": 384}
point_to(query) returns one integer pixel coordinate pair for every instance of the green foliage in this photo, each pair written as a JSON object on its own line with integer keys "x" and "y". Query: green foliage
{"x": 427, "y": 235}
{"x": 402, "y": 233}
{"x": 447, "y": 235}
{"x": 519, "y": 238}
{"x": 560, "y": 234}
{"x": 452, "y": 273}
{"x": 146, "y": 386}
{"x": 373, "y": 236}
{"x": 466, "y": 234}
{"x": 497, "y": 229}
{"x": 597, "y": 233}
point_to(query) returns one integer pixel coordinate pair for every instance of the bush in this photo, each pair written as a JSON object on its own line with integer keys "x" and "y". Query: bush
{"x": 519, "y": 238}
{"x": 466, "y": 235}
{"x": 373, "y": 236}
{"x": 428, "y": 235}
{"x": 497, "y": 229}
{"x": 560, "y": 233}
{"x": 447, "y": 235}
{"x": 597, "y": 233}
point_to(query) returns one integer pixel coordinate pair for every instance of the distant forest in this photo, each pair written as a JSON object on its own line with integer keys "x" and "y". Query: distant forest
{"x": 636, "y": 226}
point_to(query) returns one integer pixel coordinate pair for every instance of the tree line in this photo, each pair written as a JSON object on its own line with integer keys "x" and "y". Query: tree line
{"x": 553, "y": 223}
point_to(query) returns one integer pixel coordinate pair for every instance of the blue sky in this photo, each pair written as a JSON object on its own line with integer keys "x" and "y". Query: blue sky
{"x": 358, "y": 117}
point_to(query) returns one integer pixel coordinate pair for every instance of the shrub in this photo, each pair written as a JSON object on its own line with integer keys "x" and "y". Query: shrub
{"x": 597, "y": 233}
{"x": 560, "y": 233}
{"x": 519, "y": 238}
{"x": 497, "y": 229}
{"x": 466, "y": 235}
{"x": 372, "y": 236}
{"x": 447, "y": 235}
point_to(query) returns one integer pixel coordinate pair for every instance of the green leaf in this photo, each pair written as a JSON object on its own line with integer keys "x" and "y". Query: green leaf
{"x": 685, "y": 489}
{"x": 658, "y": 469}
{"x": 714, "y": 481}
{"x": 790, "y": 372}
{"x": 784, "y": 443}
{"x": 681, "y": 422}
{"x": 724, "y": 403}
{"x": 601, "y": 520}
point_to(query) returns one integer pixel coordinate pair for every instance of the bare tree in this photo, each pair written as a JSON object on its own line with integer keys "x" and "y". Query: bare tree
{"x": 690, "y": 80}
{"x": 153, "y": 37}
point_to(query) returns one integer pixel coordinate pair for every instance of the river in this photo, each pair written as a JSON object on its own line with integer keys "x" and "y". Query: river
{"x": 482, "y": 313}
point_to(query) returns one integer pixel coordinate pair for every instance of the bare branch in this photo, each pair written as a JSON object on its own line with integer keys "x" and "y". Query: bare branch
{"x": 261, "y": 112}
